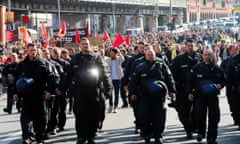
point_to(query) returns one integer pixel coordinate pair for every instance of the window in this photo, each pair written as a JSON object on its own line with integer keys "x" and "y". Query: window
{"x": 204, "y": 2}
{"x": 223, "y": 4}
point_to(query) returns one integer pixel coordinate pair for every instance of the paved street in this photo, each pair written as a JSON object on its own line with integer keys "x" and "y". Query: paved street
{"x": 118, "y": 128}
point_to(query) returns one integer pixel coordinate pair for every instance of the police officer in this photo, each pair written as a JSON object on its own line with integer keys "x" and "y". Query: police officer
{"x": 126, "y": 78}
{"x": 58, "y": 114}
{"x": 148, "y": 86}
{"x": 204, "y": 83}
{"x": 51, "y": 119}
{"x": 233, "y": 50}
{"x": 180, "y": 67}
{"x": 88, "y": 72}
{"x": 32, "y": 76}
{"x": 65, "y": 54}
{"x": 234, "y": 85}
{"x": 8, "y": 74}
{"x": 124, "y": 64}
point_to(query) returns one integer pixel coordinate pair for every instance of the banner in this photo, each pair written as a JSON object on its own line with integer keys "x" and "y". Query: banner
{"x": 9, "y": 17}
{"x": 69, "y": 37}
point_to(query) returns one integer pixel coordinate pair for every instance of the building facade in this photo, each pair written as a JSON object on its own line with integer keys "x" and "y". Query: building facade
{"x": 207, "y": 9}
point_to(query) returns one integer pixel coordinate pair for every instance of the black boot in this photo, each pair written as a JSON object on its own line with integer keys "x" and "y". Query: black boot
{"x": 147, "y": 140}
{"x": 189, "y": 135}
{"x": 91, "y": 141}
{"x": 211, "y": 141}
{"x": 7, "y": 111}
{"x": 200, "y": 137}
{"x": 81, "y": 141}
{"x": 158, "y": 141}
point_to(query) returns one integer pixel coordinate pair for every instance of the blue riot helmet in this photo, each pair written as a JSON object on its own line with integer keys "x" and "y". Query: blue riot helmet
{"x": 23, "y": 84}
{"x": 208, "y": 88}
{"x": 156, "y": 88}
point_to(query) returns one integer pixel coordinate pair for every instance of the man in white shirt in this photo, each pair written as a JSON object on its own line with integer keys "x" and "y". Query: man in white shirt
{"x": 114, "y": 63}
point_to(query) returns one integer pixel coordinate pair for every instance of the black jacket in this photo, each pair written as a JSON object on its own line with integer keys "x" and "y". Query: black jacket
{"x": 88, "y": 73}
{"x": 147, "y": 71}
{"x": 181, "y": 66}
{"x": 234, "y": 73}
{"x": 40, "y": 71}
{"x": 9, "y": 69}
{"x": 203, "y": 72}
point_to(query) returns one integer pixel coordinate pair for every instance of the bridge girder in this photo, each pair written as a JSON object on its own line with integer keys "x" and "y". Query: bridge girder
{"x": 85, "y": 7}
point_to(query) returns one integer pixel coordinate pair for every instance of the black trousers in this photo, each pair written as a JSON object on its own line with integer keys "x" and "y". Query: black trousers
{"x": 184, "y": 109}
{"x": 202, "y": 105}
{"x": 151, "y": 116}
{"x": 33, "y": 115}
{"x": 58, "y": 113}
{"x": 235, "y": 105}
{"x": 10, "y": 100}
{"x": 70, "y": 98}
{"x": 123, "y": 95}
{"x": 87, "y": 119}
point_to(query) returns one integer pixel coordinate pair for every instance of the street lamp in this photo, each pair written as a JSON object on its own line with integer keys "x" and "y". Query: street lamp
{"x": 113, "y": 15}
{"x": 59, "y": 17}
{"x": 170, "y": 7}
{"x": 9, "y": 5}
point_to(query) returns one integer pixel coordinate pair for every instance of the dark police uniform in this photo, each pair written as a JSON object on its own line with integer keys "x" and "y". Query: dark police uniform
{"x": 128, "y": 71}
{"x": 58, "y": 114}
{"x": 145, "y": 83}
{"x": 88, "y": 73}
{"x": 122, "y": 90}
{"x": 205, "y": 82}
{"x": 125, "y": 81}
{"x": 10, "y": 69}
{"x": 33, "y": 103}
{"x": 234, "y": 84}
{"x": 225, "y": 65}
{"x": 180, "y": 68}
{"x": 52, "y": 103}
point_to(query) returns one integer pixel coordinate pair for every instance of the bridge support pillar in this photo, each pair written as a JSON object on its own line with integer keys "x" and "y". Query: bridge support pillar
{"x": 138, "y": 21}
{"x": 105, "y": 23}
{"x": 2, "y": 25}
{"x": 120, "y": 24}
{"x": 152, "y": 23}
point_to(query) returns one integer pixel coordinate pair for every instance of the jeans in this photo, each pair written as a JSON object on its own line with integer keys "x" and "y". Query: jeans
{"x": 116, "y": 86}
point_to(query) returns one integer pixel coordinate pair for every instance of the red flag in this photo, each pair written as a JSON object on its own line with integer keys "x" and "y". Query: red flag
{"x": 105, "y": 36}
{"x": 87, "y": 28}
{"x": 25, "y": 19}
{"x": 44, "y": 30}
{"x": 9, "y": 35}
{"x": 26, "y": 36}
{"x": 53, "y": 41}
{"x": 127, "y": 40}
{"x": 46, "y": 45}
{"x": 118, "y": 41}
{"x": 63, "y": 30}
{"x": 77, "y": 37}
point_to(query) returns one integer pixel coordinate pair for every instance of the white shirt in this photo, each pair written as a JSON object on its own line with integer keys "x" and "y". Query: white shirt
{"x": 114, "y": 70}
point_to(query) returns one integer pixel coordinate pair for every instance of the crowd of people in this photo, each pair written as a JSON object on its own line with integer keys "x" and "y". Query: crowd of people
{"x": 182, "y": 67}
